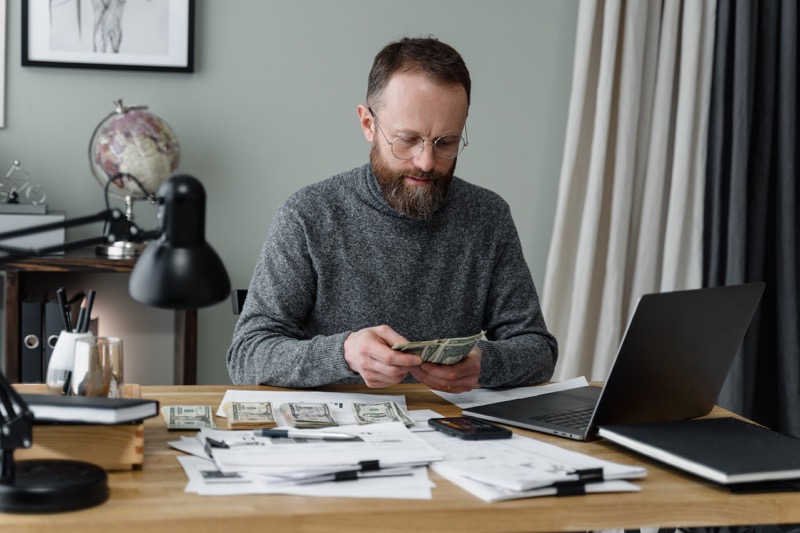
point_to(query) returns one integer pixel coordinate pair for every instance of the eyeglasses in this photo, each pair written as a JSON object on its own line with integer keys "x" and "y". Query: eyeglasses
{"x": 409, "y": 147}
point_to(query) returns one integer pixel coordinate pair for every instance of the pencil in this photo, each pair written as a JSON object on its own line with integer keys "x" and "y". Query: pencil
{"x": 87, "y": 318}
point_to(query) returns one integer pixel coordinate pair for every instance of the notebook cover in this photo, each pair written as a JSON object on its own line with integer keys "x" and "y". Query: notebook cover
{"x": 725, "y": 450}
{"x": 89, "y": 410}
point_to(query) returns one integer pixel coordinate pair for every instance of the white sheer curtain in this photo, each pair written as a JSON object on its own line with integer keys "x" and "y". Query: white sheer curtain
{"x": 630, "y": 204}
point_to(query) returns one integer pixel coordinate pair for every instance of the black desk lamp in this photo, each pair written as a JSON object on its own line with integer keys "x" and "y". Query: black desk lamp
{"x": 178, "y": 270}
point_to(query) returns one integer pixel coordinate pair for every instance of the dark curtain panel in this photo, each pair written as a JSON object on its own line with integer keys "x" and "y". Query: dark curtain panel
{"x": 751, "y": 220}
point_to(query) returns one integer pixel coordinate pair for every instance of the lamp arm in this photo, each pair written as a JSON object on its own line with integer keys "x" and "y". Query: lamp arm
{"x": 16, "y": 422}
{"x": 116, "y": 227}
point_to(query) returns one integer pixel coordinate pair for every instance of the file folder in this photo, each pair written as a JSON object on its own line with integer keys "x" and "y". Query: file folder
{"x": 52, "y": 329}
{"x": 31, "y": 346}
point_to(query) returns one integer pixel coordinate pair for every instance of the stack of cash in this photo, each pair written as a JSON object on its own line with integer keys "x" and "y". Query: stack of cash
{"x": 188, "y": 417}
{"x": 372, "y": 413}
{"x": 441, "y": 351}
{"x": 307, "y": 415}
{"x": 249, "y": 415}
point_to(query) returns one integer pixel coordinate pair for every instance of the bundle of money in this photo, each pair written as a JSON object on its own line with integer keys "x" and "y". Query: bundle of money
{"x": 249, "y": 414}
{"x": 188, "y": 416}
{"x": 441, "y": 351}
{"x": 307, "y": 415}
{"x": 373, "y": 413}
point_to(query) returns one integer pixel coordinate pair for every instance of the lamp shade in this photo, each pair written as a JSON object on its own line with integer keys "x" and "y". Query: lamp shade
{"x": 179, "y": 270}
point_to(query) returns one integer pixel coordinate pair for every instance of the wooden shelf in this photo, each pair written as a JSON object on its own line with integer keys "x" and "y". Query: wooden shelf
{"x": 82, "y": 262}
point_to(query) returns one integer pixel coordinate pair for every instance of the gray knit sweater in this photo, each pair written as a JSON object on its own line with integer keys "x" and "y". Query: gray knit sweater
{"x": 338, "y": 259}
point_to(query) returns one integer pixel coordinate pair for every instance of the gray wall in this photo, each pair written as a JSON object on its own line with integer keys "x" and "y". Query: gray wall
{"x": 272, "y": 107}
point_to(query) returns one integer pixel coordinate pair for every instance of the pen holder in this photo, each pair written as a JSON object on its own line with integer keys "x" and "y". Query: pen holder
{"x": 59, "y": 369}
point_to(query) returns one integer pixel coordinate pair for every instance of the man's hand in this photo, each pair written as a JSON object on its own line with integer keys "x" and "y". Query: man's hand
{"x": 369, "y": 352}
{"x": 460, "y": 377}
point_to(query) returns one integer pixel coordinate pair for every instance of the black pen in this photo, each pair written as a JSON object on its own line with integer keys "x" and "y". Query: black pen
{"x": 61, "y": 295}
{"x": 299, "y": 434}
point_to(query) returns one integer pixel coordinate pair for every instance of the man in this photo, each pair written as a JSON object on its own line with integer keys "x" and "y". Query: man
{"x": 398, "y": 249}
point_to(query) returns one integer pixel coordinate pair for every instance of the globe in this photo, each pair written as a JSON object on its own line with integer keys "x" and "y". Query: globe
{"x": 131, "y": 153}
{"x": 133, "y": 142}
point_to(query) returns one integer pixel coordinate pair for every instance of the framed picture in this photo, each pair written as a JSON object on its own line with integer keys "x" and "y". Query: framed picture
{"x": 154, "y": 35}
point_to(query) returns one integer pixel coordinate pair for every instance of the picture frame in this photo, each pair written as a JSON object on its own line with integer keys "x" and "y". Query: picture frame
{"x": 157, "y": 35}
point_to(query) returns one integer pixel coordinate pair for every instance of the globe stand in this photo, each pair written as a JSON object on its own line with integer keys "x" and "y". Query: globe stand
{"x": 123, "y": 249}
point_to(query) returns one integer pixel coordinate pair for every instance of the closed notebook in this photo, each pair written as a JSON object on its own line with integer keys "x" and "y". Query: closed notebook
{"x": 89, "y": 410}
{"x": 728, "y": 451}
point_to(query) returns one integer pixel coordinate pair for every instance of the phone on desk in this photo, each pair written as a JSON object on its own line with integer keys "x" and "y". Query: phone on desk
{"x": 468, "y": 428}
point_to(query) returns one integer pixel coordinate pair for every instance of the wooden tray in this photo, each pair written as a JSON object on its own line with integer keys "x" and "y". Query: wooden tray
{"x": 117, "y": 447}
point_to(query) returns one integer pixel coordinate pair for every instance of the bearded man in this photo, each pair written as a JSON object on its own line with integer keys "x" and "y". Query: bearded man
{"x": 397, "y": 250}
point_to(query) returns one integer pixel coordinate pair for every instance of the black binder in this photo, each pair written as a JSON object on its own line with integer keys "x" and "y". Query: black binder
{"x": 31, "y": 346}
{"x": 53, "y": 324}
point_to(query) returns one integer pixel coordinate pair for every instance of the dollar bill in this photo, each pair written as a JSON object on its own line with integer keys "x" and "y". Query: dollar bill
{"x": 307, "y": 415}
{"x": 441, "y": 351}
{"x": 373, "y": 413}
{"x": 249, "y": 414}
{"x": 188, "y": 416}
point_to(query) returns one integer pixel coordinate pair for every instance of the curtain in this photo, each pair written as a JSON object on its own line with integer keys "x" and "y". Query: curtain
{"x": 751, "y": 222}
{"x": 629, "y": 218}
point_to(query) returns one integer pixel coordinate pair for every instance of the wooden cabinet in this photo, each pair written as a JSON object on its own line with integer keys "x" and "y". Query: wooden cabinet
{"x": 85, "y": 261}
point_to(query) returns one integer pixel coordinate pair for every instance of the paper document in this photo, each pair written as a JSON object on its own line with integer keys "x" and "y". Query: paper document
{"x": 389, "y": 443}
{"x": 206, "y": 479}
{"x": 476, "y": 397}
{"x": 518, "y": 467}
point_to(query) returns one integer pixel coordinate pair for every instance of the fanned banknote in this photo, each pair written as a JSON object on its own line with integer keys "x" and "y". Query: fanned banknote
{"x": 441, "y": 351}
{"x": 249, "y": 414}
{"x": 373, "y": 413}
{"x": 188, "y": 416}
{"x": 308, "y": 415}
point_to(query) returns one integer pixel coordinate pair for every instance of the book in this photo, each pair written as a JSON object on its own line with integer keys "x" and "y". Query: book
{"x": 35, "y": 209}
{"x": 47, "y": 408}
{"x": 18, "y": 221}
{"x": 728, "y": 451}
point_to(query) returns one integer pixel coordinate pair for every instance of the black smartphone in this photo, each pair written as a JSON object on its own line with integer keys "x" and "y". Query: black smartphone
{"x": 465, "y": 427}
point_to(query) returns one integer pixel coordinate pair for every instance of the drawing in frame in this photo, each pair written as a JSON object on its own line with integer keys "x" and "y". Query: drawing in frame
{"x": 147, "y": 35}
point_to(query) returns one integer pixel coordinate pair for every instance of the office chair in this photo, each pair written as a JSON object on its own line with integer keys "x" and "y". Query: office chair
{"x": 237, "y": 300}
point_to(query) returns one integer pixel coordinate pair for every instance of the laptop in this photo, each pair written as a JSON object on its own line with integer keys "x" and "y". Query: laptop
{"x": 671, "y": 365}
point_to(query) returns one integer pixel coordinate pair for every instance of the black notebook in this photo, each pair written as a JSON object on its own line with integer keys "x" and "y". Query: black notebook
{"x": 89, "y": 410}
{"x": 728, "y": 451}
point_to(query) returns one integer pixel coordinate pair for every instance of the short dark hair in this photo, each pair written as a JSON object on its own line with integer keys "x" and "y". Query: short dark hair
{"x": 427, "y": 55}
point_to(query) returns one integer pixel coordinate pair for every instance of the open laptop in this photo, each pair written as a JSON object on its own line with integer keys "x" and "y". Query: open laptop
{"x": 671, "y": 365}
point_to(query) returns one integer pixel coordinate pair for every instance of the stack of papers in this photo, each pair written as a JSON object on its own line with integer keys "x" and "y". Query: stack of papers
{"x": 519, "y": 467}
{"x": 386, "y": 460}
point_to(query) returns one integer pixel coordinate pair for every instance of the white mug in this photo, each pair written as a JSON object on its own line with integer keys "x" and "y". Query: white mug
{"x": 59, "y": 369}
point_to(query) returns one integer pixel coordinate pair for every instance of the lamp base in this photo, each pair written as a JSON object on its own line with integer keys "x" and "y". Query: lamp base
{"x": 50, "y": 485}
{"x": 121, "y": 249}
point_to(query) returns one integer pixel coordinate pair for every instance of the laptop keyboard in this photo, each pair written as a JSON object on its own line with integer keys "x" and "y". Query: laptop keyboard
{"x": 576, "y": 418}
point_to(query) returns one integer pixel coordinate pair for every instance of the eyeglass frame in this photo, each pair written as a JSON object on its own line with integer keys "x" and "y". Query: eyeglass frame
{"x": 433, "y": 142}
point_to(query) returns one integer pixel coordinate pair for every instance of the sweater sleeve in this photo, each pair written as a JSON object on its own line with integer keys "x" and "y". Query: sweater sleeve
{"x": 269, "y": 344}
{"x": 519, "y": 349}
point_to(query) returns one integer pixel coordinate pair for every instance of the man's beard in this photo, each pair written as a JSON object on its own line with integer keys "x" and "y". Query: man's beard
{"x": 416, "y": 201}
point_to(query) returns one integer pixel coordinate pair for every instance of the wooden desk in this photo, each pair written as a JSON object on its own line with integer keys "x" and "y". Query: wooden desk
{"x": 87, "y": 262}
{"x": 153, "y": 498}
